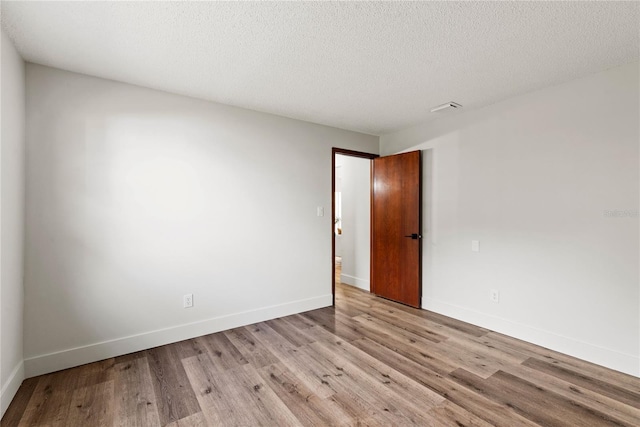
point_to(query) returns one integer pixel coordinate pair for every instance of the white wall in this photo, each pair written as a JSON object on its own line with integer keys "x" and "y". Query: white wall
{"x": 12, "y": 147}
{"x": 356, "y": 205}
{"x": 532, "y": 179}
{"x": 136, "y": 197}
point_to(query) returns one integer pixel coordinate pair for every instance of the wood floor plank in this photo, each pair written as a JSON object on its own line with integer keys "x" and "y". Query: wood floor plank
{"x": 352, "y": 310}
{"x": 533, "y": 402}
{"x": 96, "y": 373}
{"x": 416, "y": 327}
{"x": 270, "y": 410}
{"x": 589, "y": 369}
{"x": 223, "y": 353}
{"x": 217, "y": 405}
{"x": 192, "y": 347}
{"x": 250, "y": 348}
{"x": 363, "y": 304}
{"x": 175, "y": 397}
{"x": 275, "y": 343}
{"x": 444, "y": 321}
{"x": 289, "y": 332}
{"x": 484, "y": 347}
{"x": 458, "y": 325}
{"x": 375, "y": 323}
{"x": 373, "y": 365}
{"x": 420, "y": 354}
{"x": 310, "y": 409}
{"x": 398, "y": 383}
{"x": 605, "y": 388}
{"x": 477, "y": 362}
{"x": 248, "y": 401}
{"x": 475, "y": 403}
{"x": 449, "y": 414}
{"x": 420, "y": 318}
{"x": 195, "y": 420}
{"x": 443, "y": 331}
{"x": 581, "y": 395}
{"x": 401, "y": 396}
{"x": 298, "y": 321}
{"x": 50, "y": 401}
{"x": 135, "y": 403}
{"x": 327, "y": 319}
{"x": 17, "y": 409}
{"x": 92, "y": 405}
{"x": 253, "y": 391}
{"x": 129, "y": 357}
{"x": 310, "y": 373}
{"x": 492, "y": 345}
{"x": 359, "y": 402}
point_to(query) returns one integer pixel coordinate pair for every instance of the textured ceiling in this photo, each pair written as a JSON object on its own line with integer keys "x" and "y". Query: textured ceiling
{"x": 371, "y": 67}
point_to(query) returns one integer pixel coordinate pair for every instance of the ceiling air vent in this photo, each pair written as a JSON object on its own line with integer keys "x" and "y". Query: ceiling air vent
{"x": 449, "y": 105}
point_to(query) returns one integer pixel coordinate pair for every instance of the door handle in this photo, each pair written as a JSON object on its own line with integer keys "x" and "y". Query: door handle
{"x": 414, "y": 236}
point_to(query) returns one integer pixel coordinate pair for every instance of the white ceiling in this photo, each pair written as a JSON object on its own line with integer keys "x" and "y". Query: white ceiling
{"x": 371, "y": 67}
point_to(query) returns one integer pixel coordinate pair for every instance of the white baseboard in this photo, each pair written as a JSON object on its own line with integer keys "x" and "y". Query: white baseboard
{"x": 46, "y": 363}
{"x": 355, "y": 281}
{"x": 10, "y": 387}
{"x": 626, "y": 363}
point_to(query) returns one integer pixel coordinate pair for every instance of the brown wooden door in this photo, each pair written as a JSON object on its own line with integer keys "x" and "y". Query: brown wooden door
{"x": 395, "y": 228}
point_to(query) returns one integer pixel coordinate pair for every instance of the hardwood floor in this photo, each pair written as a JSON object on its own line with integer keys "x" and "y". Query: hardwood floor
{"x": 366, "y": 362}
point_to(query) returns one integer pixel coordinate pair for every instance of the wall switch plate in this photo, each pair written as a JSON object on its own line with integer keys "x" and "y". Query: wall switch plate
{"x": 475, "y": 245}
{"x": 320, "y": 211}
{"x": 188, "y": 300}
{"x": 494, "y": 295}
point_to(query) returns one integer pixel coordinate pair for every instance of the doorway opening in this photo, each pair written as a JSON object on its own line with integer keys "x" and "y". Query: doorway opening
{"x": 350, "y": 203}
{"x": 394, "y": 222}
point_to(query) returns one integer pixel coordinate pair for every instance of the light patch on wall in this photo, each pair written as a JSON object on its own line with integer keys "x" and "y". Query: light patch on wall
{"x": 165, "y": 187}
{"x": 158, "y": 177}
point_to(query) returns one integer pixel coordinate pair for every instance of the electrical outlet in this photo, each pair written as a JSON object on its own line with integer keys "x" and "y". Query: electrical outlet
{"x": 188, "y": 300}
{"x": 494, "y": 295}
